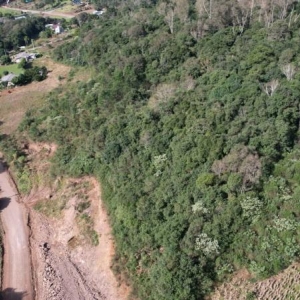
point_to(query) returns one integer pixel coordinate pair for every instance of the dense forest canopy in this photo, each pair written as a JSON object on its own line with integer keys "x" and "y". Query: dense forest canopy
{"x": 191, "y": 124}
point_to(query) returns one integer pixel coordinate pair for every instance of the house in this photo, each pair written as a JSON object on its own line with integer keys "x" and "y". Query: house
{"x": 7, "y": 79}
{"x": 77, "y": 2}
{"x": 24, "y": 55}
{"x": 57, "y": 28}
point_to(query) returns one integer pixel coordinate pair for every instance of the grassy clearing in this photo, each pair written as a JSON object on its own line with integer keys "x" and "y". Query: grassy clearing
{"x": 5, "y": 10}
{"x": 66, "y": 8}
{"x": 14, "y": 105}
{"x": 16, "y": 101}
{"x": 13, "y": 68}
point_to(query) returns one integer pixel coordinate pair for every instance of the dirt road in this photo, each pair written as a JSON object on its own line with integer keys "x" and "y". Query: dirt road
{"x": 17, "y": 277}
{"x": 52, "y": 13}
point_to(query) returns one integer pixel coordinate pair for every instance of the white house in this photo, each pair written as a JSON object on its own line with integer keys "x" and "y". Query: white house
{"x": 55, "y": 27}
{"x": 58, "y": 29}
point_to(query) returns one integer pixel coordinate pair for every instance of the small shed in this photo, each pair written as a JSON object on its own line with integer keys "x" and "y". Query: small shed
{"x": 58, "y": 29}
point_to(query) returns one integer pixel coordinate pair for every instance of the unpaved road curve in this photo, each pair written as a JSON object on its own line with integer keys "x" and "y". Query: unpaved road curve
{"x": 17, "y": 276}
{"x": 52, "y": 13}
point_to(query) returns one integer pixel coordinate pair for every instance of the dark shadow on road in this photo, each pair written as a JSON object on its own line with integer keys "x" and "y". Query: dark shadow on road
{"x": 11, "y": 294}
{"x": 4, "y": 202}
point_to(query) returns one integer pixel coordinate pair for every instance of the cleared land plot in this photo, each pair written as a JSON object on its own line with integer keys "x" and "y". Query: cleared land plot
{"x": 66, "y": 8}
{"x": 5, "y": 10}
{"x": 15, "y": 102}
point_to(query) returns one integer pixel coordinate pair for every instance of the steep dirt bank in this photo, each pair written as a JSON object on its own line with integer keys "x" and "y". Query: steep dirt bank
{"x": 284, "y": 286}
{"x": 66, "y": 265}
{"x": 17, "y": 275}
{"x": 71, "y": 240}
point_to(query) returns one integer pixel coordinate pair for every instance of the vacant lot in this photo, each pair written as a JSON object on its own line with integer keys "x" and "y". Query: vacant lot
{"x": 5, "y": 10}
{"x": 16, "y": 101}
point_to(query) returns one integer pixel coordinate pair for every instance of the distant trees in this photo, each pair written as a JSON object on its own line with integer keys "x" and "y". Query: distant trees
{"x": 16, "y": 33}
{"x": 5, "y": 60}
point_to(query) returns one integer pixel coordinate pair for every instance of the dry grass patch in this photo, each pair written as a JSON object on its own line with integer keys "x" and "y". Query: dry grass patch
{"x": 51, "y": 207}
{"x": 14, "y": 102}
{"x": 163, "y": 93}
{"x": 284, "y": 286}
{"x": 66, "y": 8}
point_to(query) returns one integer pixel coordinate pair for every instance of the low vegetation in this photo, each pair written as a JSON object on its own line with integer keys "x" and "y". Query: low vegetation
{"x": 12, "y": 68}
{"x": 51, "y": 207}
{"x": 191, "y": 123}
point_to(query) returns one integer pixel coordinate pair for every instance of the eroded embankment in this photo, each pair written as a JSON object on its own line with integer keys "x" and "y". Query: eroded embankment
{"x": 71, "y": 240}
{"x": 284, "y": 286}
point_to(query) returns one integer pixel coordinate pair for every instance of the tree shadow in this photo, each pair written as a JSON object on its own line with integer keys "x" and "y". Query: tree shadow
{"x": 11, "y": 294}
{"x": 4, "y": 202}
{"x": 3, "y": 165}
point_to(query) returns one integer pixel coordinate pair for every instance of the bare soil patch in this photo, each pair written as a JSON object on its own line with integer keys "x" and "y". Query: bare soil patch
{"x": 71, "y": 257}
{"x": 284, "y": 286}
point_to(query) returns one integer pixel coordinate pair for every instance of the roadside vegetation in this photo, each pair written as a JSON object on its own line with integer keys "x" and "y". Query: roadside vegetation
{"x": 191, "y": 124}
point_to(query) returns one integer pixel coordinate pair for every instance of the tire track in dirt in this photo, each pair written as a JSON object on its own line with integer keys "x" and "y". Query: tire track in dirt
{"x": 17, "y": 273}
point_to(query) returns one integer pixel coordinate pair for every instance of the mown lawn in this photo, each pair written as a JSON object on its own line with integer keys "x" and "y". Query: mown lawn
{"x": 5, "y": 11}
{"x": 13, "y": 68}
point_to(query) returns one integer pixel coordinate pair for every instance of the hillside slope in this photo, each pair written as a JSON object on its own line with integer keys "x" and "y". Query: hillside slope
{"x": 195, "y": 140}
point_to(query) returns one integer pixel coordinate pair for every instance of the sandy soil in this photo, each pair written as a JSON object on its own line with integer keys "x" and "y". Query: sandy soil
{"x": 67, "y": 266}
{"x": 17, "y": 276}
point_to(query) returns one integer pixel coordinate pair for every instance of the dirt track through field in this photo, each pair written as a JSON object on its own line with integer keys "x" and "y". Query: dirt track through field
{"x": 17, "y": 276}
{"x": 51, "y": 13}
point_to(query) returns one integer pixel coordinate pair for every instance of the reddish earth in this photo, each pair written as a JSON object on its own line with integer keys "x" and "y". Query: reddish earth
{"x": 284, "y": 286}
{"x": 66, "y": 264}
{"x": 52, "y": 257}
{"x": 17, "y": 274}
